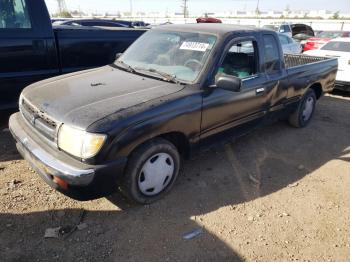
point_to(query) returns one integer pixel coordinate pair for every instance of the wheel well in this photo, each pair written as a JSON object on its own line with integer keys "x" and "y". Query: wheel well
{"x": 318, "y": 89}
{"x": 180, "y": 141}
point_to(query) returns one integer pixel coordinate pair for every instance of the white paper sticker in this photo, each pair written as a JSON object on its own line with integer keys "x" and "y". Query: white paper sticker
{"x": 195, "y": 46}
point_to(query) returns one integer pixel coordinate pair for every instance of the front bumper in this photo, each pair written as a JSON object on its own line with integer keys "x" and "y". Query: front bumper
{"x": 342, "y": 81}
{"x": 342, "y": 85}
{"x": 84, "y": 181}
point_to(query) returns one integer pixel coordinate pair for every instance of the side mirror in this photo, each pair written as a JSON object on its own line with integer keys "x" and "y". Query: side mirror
{"x": 118, "y": 55}
{"x": 229, "y": 83}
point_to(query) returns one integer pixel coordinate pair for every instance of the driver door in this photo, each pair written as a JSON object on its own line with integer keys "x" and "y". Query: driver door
{"x": 223, "y": 110}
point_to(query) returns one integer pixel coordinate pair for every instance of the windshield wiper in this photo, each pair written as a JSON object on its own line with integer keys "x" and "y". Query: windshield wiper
{"x": 165, "y": 76}
{"x": 129, "y": 68}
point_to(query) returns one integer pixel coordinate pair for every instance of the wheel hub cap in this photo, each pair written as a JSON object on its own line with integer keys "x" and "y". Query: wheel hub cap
{"x": 308, "y": 108}
{"x": 156, "y": 174}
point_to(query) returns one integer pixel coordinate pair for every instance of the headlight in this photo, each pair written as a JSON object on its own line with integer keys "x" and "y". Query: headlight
{"x": 78, "y": 142}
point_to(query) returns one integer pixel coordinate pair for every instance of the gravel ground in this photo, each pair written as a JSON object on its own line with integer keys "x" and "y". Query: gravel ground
{"x": 277, "y": 194}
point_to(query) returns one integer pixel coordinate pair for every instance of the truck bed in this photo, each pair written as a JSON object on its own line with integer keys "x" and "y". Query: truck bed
{"x": 305, "y": 70}
{"x": 298, "y": 60}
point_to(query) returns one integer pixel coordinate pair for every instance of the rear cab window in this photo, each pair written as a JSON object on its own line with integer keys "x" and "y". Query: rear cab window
{"x": 337, "y": 46}
{"x": 285, "y": 29}
{"x": 14, "y": 15}
{"x": 272, "y": 60}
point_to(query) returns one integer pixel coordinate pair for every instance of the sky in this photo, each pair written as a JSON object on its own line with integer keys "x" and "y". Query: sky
{"x": 199, "y": 6}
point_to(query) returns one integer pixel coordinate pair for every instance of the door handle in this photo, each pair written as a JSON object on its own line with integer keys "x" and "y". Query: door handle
{"x": 260, "y": 90}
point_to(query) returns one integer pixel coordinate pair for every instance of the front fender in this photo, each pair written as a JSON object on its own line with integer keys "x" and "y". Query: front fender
{"x": 180, "y": 116}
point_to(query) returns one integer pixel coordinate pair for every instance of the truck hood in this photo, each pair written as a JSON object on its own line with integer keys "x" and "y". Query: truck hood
{"x": 81, "y": 98}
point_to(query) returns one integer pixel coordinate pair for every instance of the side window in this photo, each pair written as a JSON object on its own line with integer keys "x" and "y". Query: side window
{"x": 14, "y": 14}
{"x": 101, "y": 23}
{"x": 241, "y": 60}
{"x": 285, "y": 29}
{"x": 86, "y": 23}
{"x": 271, "y": 55}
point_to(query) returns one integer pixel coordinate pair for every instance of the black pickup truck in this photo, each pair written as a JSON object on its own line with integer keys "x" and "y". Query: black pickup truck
{"x": 31, "y": 50}
{"x": 128, "y": 125}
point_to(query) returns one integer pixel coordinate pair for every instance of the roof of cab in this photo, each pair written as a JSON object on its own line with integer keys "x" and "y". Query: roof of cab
{"x": 210, "y": 28}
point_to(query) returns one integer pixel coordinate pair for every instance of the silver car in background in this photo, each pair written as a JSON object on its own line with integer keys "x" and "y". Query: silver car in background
{"x": 289, "y": 45}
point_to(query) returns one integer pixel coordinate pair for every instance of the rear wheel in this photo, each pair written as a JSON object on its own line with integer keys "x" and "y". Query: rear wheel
{"x": 303, "y": 114}
{"x": 151, "y": 171}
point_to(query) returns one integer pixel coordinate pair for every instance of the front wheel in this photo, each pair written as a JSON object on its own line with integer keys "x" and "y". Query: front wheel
{"x": 303, "y": 114}
{"x": 151, "y": 171}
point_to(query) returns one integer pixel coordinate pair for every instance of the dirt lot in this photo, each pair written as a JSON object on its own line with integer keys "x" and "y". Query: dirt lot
{"x": 278, "y": 194}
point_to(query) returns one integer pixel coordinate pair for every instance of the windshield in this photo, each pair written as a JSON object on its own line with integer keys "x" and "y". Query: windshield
{"x": 337, "y": 46}
{"x": 329, "y": 34}
{"x": 181, "y": 55}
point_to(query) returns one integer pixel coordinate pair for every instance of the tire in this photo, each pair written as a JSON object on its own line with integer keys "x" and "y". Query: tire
{"x": 302, "y": 116}
{"x": 151, "y": 171}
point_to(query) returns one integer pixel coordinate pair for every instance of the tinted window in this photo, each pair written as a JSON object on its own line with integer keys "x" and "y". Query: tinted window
{"x": 14, "y": 14}
{"x": 83, "y": 23}
{"x": 337, "y": 46}
{"x": 100, "y": 23}
{"x": 285, "y": 28}
{"x": 332, "y": 34}
{"x": 87, "y": 23}
{"x": 241, "y": 60}
{"x": 110, "y": 24}
{"x": 271, "y": 54}
{"x": 75, "y": 23}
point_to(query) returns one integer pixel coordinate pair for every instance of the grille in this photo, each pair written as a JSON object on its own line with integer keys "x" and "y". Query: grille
{"x": 39, "y": 120}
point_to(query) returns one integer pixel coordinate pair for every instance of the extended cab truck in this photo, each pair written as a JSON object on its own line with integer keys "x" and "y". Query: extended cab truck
{"x": 31, "y": 50}
{"x": 129, "y": 124}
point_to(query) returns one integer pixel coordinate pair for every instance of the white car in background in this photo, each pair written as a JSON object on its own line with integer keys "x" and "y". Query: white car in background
{"x": 289, "y": 45}
{"x": 340, "y": 48}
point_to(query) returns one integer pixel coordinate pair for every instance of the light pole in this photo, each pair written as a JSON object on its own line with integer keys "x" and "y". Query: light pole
{"x": 185, "y": 8}
{"x": 257, "y": 11}
{"x": 131, "y": 8}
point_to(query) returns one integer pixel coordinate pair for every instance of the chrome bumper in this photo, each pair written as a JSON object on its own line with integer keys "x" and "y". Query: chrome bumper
{"x": 43, "y": 161}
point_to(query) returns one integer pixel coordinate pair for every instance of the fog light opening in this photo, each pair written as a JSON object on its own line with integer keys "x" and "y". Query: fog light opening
{"x": 63, "y": 184}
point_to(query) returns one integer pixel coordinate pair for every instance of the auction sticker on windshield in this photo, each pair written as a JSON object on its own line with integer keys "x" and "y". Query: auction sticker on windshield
{"x": 195, "y": 46}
